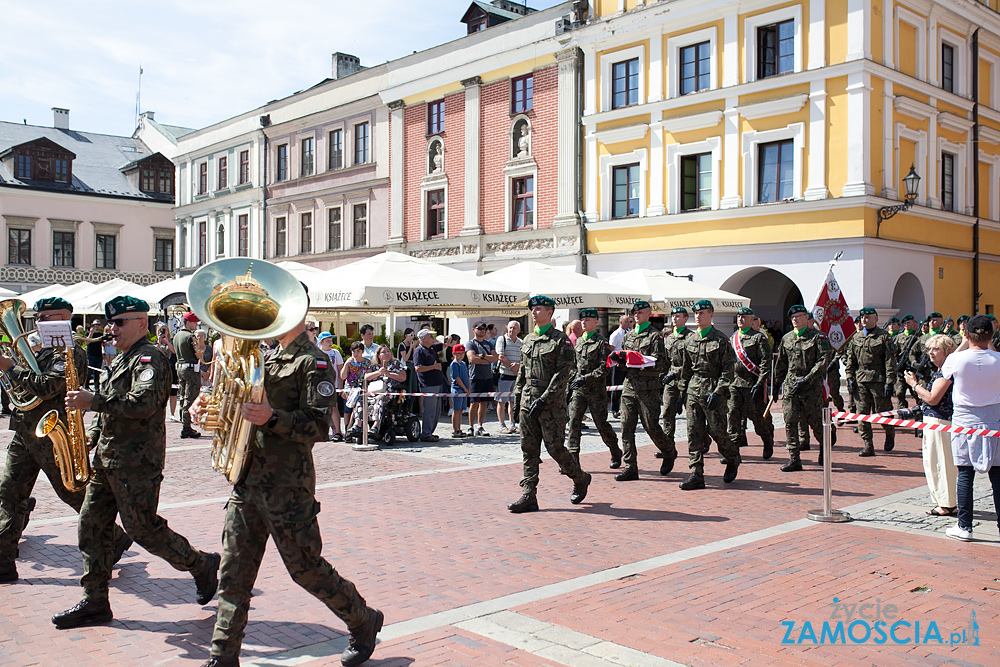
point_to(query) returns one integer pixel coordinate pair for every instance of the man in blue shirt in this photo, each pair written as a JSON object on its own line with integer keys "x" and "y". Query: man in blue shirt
{"x": 431, "y": 381}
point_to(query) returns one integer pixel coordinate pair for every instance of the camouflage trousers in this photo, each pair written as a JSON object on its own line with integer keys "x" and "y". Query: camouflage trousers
{"x": 26, "y": 457}
{"x": 637, "y": 405}
{"x": 596, "y": 400}
{"x": 134, "y": 494}
{"x": 549, "y": 426}
{"x": 288, "y": 516}
{"x": 899, "y": 390}
{"x": 742, "y": 406}
{"x": 871, "y": 399}
{"x": 702, "y": 424}
{"x": 801, "y": 412}
{"x": 833, "y": 379}
{"x": 669, "y": 411}
{"x": 188, "y": 388}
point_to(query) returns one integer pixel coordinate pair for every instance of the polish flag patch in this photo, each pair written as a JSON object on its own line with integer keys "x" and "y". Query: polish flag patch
{"x": 145, "y": 359}
{"x": 321, "y": 363}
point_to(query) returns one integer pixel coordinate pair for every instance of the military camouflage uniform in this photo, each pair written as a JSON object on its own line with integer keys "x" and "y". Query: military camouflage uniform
{"x": 128, "y": 468}
{"x": 870, "y": 362}
{"x": 277, "y": 498}
{"x": 592, "y": 365}
{"x": 708, "y": 367}
{"x": 741, "y": 403}
{"x": 833, "y": 378}
{"x": 802, "y": 357}
{"x": 641, "y": 396}
{"x": 673, "y": 398}
{"x": 547, "y": 361}
{"x": 899, "y": 387}
{"x": 188, "y": 379}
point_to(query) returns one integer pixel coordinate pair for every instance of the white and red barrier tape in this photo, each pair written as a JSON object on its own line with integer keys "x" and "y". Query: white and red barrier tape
{"x": 883, "y": 418}
{"x": 474, "y": 394}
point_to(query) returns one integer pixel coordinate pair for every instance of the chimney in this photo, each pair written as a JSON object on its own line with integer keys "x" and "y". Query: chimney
{"x": 147, "y": 115}
{"x": 60, "y": 118}
{"x": 345, "y": 65}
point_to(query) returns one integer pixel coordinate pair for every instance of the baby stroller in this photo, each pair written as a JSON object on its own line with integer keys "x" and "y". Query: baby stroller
{"x": 398, "y": 418}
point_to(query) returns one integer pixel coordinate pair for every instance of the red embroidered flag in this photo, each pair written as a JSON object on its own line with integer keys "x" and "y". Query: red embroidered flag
{"x": 832, "y": 313}
{"x": 634, "y": 359}
{"x": 321, "y": 363}
{"x": 145, "y": 359}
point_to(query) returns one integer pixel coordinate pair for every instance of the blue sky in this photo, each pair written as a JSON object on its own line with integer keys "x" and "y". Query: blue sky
{"x": 202, "y": 60}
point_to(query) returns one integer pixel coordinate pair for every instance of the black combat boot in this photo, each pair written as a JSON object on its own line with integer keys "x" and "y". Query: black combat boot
{"x": 616, "y": 461}
{"x": 30, "y": 505}
{"x": 668, "y": 465}
{"x": 867, "y": 451}
{"x": 833, "y": 436}
{"x": 526, "y": 503}
{"x": 627, "y": 475}
{"x": 693, "y": 481}
{"x": 208, "y": 581}
{"x": 363, "y": 640}
{"x": 768, "y": 448}
{"x": 732, "y": 469}
{"x": 890, "y": 441}
{"x": 794, "y": 463}
{"x": 85, "y": 613}
{"x": 190, "y": 433}
{"x": 220, "y": 661}
{"x": 658, "y": 455}
{"x": 580, "y": 489}
{"x": 8, "y": 572}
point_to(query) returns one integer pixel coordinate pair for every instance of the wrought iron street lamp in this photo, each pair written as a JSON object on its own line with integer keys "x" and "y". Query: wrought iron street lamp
{"x": 912, "y": 183}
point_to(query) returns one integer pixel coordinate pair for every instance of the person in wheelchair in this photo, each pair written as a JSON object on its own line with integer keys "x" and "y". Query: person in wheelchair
{"x": 389, "y": 376}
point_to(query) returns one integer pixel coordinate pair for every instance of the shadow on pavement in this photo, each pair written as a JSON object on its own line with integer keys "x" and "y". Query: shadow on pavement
{"x": 607, "y": 509}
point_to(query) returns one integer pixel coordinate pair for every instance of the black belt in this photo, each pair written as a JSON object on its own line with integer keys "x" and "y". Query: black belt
{"x": 706, "y": 375}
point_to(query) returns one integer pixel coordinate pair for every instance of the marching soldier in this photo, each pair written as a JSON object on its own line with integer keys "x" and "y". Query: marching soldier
{"x": 546, "y": 363}
{"x": 187, "y": 376}
{"x": 895, "y": 329}
{"x": 706, "y": 375}
{"x": 277, "y": 499}
{"x": 803, "y": 356}
{"x": 27, "y": 454}
{"x": 748, "y": 391}
{"x": 641, "y": 393}
{"x": 673, "y": 399}
{"x": 129, "y": 437}
{"x": 870, "y": 376}
{"x": 935, "y": 324}
{"x": 588, "y": 388}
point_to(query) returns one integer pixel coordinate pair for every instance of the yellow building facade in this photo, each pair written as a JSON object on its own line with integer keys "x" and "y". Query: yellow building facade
{"x": 748, "y": 143}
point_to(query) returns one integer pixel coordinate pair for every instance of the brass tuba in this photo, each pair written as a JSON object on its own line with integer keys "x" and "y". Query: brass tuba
{"x": 246, "y": 301}
{"x": 11, "y": 313}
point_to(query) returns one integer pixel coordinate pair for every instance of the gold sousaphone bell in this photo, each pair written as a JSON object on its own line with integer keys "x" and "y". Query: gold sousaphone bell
{"x": 246, "y": 301}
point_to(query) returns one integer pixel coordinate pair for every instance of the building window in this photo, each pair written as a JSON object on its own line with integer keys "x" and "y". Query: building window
{"x": 306, "y": 233}
{"x": 63, "y": 248}
{"x": 163, "y": 255}
{"x": 166, "y": 181}
{"x": 280, "y": 236}
{"x": 360, "y": 239}
{"x": 625, "y": 83}
{"x": 23, "y": 166}
{"x": 696, "y": 63}
{"x": 147, "y": 180}
{"x": 244, "y": 167}
{"x": 435, "y": 214}
{"x": 334, "y": 231}
{"x": 19, "y": 246}
{"x": 184, "y": 245}
{"x": 476, "y": 25}
{"x": 243, "y": 235}
{"x": 223, "y": 173}
{"x": 948, "y": 67}
{"x": 336, "y": 149}
{"x": 361, "y": 143}
{"x": 435, "y": 117}
{"x": 523, "y": 205}
{"x": 625, "y": 199}
{"x": 282, "y": 166}
{"x": 220, "y": 240}
{"x": 202, "y": 243}
{"x": 521, "y": 94}
{"x": 202, "y": 178}
{"x": 105, "y": 251}
{"x": 306, "y": 163}
{"x": 775, "y": 49}
{"x": 263, "y": 237}
{"x": 947, "y": 181}
{"x": 696, "y": 181}
{"x": 776, "y": 166}
{"x": 62, "y": 171}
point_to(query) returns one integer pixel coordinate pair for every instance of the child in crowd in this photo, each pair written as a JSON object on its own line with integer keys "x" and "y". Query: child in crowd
{"x": 325, "y": 342}
{"x": 459, "y": 373}
{"x": 352, "y": 374}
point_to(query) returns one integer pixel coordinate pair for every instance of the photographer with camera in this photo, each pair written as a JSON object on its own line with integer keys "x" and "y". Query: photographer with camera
{"x": 936, "y": 408}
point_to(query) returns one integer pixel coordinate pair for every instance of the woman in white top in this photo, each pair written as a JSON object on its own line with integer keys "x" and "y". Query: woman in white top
{"x": 975, "y": 373}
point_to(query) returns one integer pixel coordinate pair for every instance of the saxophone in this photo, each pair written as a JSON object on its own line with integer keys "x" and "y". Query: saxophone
{"x": 69, "y": 440}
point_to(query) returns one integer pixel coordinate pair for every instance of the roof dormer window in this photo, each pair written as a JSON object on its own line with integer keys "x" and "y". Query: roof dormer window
{"x": 40, "y": 160}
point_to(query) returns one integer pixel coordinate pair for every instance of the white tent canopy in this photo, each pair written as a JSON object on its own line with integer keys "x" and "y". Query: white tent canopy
{"x": 153, "y": 294}
{"x": 668, "y": 291}
{"x": 567, "y": 288}
{"x": 34, "y": 295}
{"x": 4, "y": 292}
{"x": 92, "y": 301}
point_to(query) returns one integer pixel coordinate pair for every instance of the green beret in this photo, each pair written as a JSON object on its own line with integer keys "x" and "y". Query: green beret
{"x": 894, "y": 320}
{"x": 541, "y": 301}
{"x": 935, "y": 314}
{"x": 907, "y": 318}
{"x": 588, "y": 312}
{"x": 704, "y": 304}
{"x": 125, "y": 304}
{"x": 796, "y": 309}
{"x": 53, "y": 303}
{"x": 639, "y": 305}
{"x": 991, "y": 316}
{"x": 745, "y": 311}
{"x": 678, "y": 309}
{"x": 867, "y": 310}
{"x": 963, "y": 318}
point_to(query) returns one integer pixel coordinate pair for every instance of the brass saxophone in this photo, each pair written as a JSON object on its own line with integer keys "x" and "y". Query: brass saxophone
{"x": 69, "y": 440}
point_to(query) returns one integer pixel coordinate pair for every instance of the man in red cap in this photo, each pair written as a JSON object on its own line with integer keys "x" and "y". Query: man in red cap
{"x": 188, "y": 377}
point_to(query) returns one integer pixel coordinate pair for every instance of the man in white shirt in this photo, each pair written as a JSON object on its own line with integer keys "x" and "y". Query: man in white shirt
{"x": 368, "y": 338}
{"x": 625, "y": 324}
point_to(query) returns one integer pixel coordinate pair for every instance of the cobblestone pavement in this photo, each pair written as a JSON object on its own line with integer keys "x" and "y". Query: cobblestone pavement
{"x": 641, "y": 573}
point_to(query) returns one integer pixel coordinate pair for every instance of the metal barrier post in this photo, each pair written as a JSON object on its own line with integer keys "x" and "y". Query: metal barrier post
{"x": 363, "y": 446}
{"x": 828, "y": 514}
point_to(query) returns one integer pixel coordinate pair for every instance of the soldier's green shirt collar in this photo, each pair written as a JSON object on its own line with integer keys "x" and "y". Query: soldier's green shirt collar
{"x": 587, "y": 335}
{"x": 707, "y": 330}
{"x": 639, "y": 328}
{"x": 934, "y": 332}
{"x": 800, "y": 332}
{"x": 540, "y": 330}
{"x": 679, "y": 331}
{"x": 745, "y": 331}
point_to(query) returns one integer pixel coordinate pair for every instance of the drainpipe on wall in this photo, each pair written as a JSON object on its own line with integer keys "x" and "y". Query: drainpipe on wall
{"x": 975, "y": 171}
{"x": 579, "y": 161}
{"x": 265, "y": 122}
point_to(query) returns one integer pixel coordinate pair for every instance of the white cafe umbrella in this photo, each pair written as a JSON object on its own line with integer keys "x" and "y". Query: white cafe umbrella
{"x": 567, "y": 288}
{"x": 4, "y": 292}
{"x": 668, "y": 291}
{"x": 34, "y": 295}
{"x": 92, "y": 302}
{"x": 157, "y": 292}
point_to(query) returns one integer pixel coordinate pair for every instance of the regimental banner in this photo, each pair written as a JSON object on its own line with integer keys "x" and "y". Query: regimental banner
{"x": 832, "y": 313}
